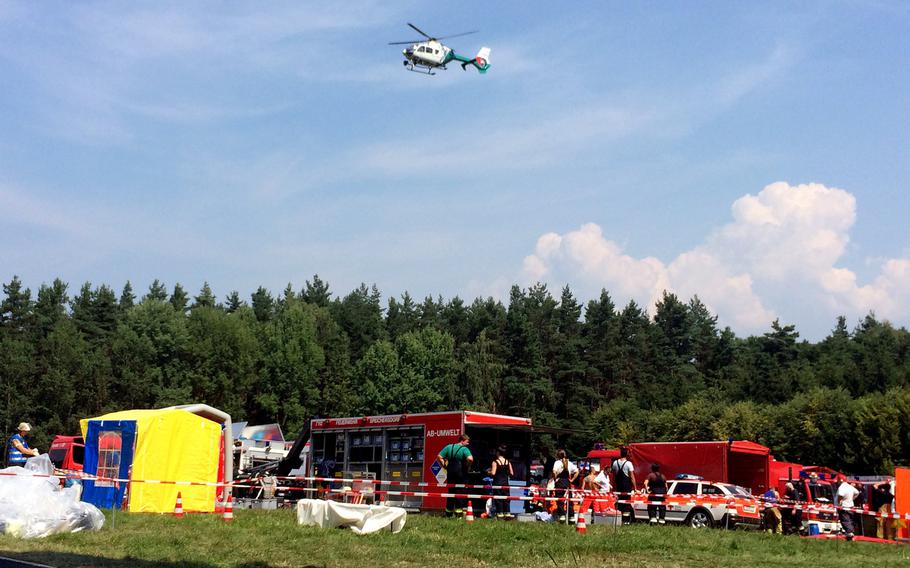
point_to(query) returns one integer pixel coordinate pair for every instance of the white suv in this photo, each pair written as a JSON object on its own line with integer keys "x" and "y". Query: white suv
{"x": 703, "y": 504}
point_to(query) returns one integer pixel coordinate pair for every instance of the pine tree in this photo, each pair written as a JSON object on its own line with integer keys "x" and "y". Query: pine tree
{"x": 233, "y": 302}
{"x": 578, "y": 396}
{"x": 127, "y": 298}
{"x": 360, "y": 316}
{"x": 50, "y": 306}
{"x": 16, "y": 309}
{"x": 401, "y": 317}
{"x": 263, "y": 304}
{"x": 157, "y": 292}
{"x": 179, "y": 299}
{"x": 317, "y": 292}
{"x": 205, "y": 299}
{"x": 702, "y": 335}
{"x": 428, "y": 314}
{"x": 601, "y": 344}
{"x": 454, "y": 318}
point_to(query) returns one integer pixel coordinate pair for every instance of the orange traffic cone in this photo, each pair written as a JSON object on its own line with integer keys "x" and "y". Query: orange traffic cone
{"x": 178, "y": 506}
{"x": 469, "y": 513}
{"x": 580, "y": 526}
{"x": 228, "y": 514}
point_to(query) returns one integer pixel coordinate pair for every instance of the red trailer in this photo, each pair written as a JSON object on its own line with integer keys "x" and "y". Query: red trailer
{"x": 738, "y": 462}
{"x": 403, "y": 447}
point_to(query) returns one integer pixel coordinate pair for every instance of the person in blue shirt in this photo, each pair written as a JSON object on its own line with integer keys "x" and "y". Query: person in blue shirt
{"x": 772, "y": 514}
{"x": 17, "y": 449}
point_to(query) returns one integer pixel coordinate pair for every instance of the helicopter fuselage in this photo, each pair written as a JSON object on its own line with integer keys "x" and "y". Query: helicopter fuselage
{"x": 427, "y": 55}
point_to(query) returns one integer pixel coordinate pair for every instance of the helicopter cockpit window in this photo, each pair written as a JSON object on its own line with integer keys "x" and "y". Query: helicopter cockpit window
{"x": 421, "y": 49}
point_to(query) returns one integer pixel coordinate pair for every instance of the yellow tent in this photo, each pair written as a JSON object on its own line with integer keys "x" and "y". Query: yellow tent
{"x": 169, "y": 445}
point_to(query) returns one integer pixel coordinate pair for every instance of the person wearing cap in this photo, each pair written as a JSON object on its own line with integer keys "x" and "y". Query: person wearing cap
{"x": 17, "y": 450}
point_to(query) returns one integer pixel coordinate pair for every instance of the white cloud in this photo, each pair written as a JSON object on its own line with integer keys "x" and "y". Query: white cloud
{"x": 779, "y": 254}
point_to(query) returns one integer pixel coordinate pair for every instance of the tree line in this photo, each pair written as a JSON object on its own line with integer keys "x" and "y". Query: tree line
{"x": 608, "y": 373}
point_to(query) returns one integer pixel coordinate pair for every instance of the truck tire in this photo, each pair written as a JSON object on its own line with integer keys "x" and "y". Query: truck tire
{"x": 700, "y": 519}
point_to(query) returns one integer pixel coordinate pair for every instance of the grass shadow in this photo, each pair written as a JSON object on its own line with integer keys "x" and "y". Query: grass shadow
{"x": 73, "y": 560}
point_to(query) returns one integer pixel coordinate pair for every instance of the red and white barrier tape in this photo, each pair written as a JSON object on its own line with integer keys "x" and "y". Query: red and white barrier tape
{"x": 574, "y": 495}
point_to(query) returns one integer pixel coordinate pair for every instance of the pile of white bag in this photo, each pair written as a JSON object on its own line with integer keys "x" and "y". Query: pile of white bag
{"x": 33, "y": 505}
{"x": 362, "y": 519}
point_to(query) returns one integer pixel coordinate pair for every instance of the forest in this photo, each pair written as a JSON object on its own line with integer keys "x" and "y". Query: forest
{"x": 612, "y": 374}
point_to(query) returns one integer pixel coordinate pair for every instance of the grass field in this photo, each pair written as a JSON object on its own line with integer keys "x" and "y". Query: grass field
{"x": 260, "y": 539}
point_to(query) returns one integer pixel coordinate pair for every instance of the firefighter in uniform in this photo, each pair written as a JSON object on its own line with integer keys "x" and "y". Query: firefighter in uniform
{"x": 456, "y": 459}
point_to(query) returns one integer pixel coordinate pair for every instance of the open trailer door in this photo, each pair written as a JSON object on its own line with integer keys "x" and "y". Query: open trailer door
{"x": 748, "y": 465}
{"x": 109, "y": 448}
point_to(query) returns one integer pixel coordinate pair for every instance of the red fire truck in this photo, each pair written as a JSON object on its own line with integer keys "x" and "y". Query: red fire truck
{"x": 403, "y": 447}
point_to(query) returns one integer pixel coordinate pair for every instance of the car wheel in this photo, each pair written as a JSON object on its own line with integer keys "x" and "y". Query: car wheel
{"x": 700, "y": 519}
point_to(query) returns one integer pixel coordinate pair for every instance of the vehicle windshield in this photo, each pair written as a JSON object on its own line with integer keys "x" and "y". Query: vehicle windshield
{"x": 736, "y": 490}
{"x": 57, "y": 456}
{"x": 822, "y": 492}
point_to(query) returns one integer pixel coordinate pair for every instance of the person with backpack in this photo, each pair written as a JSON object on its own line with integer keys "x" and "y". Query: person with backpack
{"x": 656, "y": 486}
{"x": 502, "y": 473}
{"x": 456, "y": 459}
{"x": 624, "y": 482}
{"x": 17, "y": 449}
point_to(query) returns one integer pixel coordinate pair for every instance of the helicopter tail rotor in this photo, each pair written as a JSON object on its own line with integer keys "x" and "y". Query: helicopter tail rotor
{"x": 481, "y": 61}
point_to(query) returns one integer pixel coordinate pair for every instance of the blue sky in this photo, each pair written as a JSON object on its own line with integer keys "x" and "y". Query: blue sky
{"x": 753, "y": 154}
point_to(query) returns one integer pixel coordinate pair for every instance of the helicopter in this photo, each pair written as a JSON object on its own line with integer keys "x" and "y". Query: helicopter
{"x": 426, "y": 55}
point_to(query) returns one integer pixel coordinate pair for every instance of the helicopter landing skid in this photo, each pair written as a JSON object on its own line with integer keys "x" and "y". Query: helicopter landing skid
{"x": 418, "y": 68}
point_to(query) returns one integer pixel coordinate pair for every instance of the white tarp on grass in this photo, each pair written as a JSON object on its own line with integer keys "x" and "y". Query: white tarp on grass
{"x": 33, "y": 505}
{"x": 362, "y": 519}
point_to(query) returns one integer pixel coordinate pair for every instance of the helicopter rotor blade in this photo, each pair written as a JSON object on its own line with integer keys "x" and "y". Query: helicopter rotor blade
{"x": 406, "y": 42}
{"x": 458, "y": 35}
{"x": 420, "y": 31}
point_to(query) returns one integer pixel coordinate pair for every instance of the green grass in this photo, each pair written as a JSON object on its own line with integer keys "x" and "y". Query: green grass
{"x": 260, "y": 539}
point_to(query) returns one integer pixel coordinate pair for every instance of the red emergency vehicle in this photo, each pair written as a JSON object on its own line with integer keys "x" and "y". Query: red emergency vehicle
{"x": 738, "y": 462}
{"x": 67, "y": 452}
{"x": 404, "y": 447}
